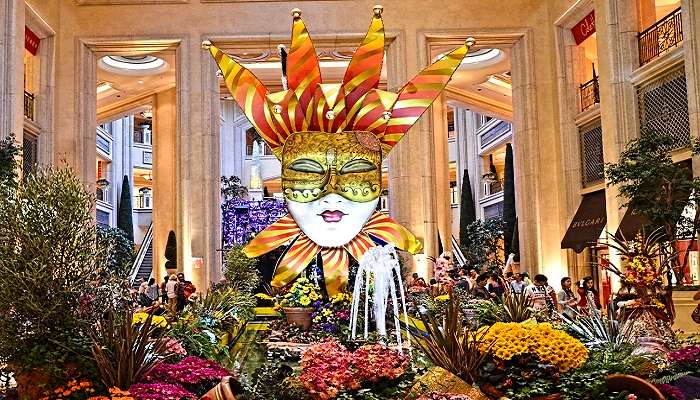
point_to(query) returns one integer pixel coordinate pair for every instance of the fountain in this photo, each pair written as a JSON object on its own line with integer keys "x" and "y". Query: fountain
{"x": 377, "y": 279}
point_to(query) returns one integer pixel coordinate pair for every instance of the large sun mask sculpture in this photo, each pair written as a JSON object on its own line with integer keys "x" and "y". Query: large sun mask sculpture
{"x": 331, "y": 139}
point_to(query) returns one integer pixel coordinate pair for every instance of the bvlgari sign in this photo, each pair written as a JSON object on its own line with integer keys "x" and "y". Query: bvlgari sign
{"x": 584, "y": 28}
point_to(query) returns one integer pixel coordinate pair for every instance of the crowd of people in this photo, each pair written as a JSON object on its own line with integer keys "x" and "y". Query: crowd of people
{"x": 170, "y": 296}
{"x": 483, "y": 284}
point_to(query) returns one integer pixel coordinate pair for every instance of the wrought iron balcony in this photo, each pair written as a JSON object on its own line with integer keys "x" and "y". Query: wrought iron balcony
{"x": 29, "y": 105}
{"x": 590, "y": 94}
{"x": 661, "y": 37}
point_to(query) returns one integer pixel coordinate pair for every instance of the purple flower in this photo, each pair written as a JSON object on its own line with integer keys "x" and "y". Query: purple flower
{"x": 160, "y": 391}
{"x": 671, "y": 392}
{"x": 685, "y": 354}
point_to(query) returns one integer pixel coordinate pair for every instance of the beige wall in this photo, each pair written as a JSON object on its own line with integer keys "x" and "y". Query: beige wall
{"x": 539, "y": 173}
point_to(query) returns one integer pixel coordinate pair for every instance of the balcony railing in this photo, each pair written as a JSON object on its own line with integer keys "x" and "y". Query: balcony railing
{"x": 29, "y": 105}
{"x": 590, "y": 94}
{"x": 102, "y": 194}
{"x": 659, "y": 38}
{"x": 493, "y": 187}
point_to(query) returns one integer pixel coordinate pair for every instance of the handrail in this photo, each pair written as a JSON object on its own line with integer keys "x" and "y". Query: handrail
{"x": 659, "y": 38}
{"x": 147, "y": 240}
{"x": 590, "y": 93}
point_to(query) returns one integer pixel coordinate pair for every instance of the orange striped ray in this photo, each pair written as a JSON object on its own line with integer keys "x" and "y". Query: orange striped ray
{"x": 249, "y": 93}
{"x": 290, "y": 118}
{"x": 303, "y": 69}
{"x": 294, "y": 261}
{"x": 365, "y": 68}
{"x": 370, "y": 116}
{"x": 319, "y": 107}
{"x": 282, "y": 231}
{"x": 359, "y": 245}
{"x": 335, "y": 269}
{"x": 419, "y": 93}
{"x": 390, "y": 231}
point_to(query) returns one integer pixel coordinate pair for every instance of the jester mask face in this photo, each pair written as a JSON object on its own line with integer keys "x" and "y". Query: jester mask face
{"x": 330, "y": 139}
{"x": 332, "y": 183}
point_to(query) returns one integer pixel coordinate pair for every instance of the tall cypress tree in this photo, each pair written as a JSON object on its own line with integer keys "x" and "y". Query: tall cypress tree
{"x": 171, "y": 251}
{"x": 515, "y": 243}
{"x": 125, "y": 220}
{"x": 467, "y": 210}
{"x": 509, "y": 217}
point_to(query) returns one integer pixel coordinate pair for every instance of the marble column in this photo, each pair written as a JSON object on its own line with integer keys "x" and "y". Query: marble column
{"x": 11, "y": 68}
{"x": 165, "y": 208}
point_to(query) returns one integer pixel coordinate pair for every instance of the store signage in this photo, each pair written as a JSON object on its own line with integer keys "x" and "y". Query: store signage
{"x": 584, "y": 28}
{"x": 31, "y": 41}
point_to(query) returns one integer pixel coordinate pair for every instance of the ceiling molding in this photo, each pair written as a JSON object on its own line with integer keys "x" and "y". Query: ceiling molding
{"x": 126, "y": 105}
{"x": 473, "y": 100}
{"x": 129, "y": 2}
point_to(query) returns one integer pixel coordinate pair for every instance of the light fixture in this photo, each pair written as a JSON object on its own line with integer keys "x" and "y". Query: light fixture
{"x": 133, "y": 65}
{"x": 148, "y": 114}
{"x": 102, "y": 183}
{"x": 496, "y": 80}
{"x": 103, "y": 87}
{"x": 147, "y": 176}
{"x": 481, "y": 55}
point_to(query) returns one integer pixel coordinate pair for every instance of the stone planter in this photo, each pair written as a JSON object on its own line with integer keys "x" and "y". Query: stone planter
{"x": 299, "y": 316}
{"x": 225, "y": 390}
{"x": 634, "y": 384}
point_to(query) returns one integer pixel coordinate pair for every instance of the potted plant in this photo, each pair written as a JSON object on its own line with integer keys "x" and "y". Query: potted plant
{"x": 296, "y": 303}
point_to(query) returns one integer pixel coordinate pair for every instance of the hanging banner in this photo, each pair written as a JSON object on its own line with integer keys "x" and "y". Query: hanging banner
{"x": 584, "y": 28}
{"x": 31, "y": 41}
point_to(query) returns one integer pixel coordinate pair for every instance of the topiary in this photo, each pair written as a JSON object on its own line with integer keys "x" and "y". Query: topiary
{"x": 171, "y": 251}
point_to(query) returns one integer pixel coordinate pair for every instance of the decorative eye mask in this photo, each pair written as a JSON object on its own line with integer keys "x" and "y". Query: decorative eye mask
{"x": 315, "y": 164}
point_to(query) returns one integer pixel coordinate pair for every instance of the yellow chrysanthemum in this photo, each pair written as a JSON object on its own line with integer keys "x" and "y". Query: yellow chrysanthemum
{"x": 550, "y": 345}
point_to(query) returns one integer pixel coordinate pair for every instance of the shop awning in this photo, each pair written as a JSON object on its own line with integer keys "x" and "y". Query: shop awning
{"x": 631, "y": 224}
{"x": 588, "y": 222}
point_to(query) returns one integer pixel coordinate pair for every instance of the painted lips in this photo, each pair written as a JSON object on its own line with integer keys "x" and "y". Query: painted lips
{"x": 332, "y": 216}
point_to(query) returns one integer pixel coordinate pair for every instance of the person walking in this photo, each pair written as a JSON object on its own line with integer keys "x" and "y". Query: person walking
{"x": 517, "y": 285}
{"x": 480, "y": 290}
{"x": 543, "y": 296}
{"x": 163, "y": 290}
{"x": 171, "y": 291}
{"x": 589, "y": 301}
{"x": 141, "y": 298}
{"x": 153, "y": 290}
{"x": 568, "y": 300}
{"x": 495, "y": 288}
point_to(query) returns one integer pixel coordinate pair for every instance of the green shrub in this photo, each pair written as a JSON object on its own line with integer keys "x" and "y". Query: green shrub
{"x": 49, "y": 277}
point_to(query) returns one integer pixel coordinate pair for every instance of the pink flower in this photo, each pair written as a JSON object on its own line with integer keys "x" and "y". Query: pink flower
{"x": 631, "y": 396}
{"x": 160, "y": 391}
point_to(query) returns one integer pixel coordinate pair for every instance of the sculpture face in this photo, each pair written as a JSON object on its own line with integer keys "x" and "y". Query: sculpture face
{"x": 332, "y": 183}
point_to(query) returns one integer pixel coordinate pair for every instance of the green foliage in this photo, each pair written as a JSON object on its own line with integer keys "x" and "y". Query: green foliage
{"x": 171, "y": 251}
{"x": 450, "y": 344}
{"x": 123, "y": 351}
{"x": 222, "y": 312}
{"x": 588, "y": 382}
{"x": 231, "y": 188}
{"x": 49, "y": 278}
{"x": 467, "y": 210}
{"x": 516, "y": 307}
{"x": 274, "y": 380}
{"x": 125, "y": 220}
{"x": 594, "y": 330}
{"x": 9, "y": 152}
{"x": 241, "y": 272}
{"x": 484, "y": 237}
{"x": 509, "y": 217}
{"x": 652, "y": 184}
{"x": 119, "y": 251}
